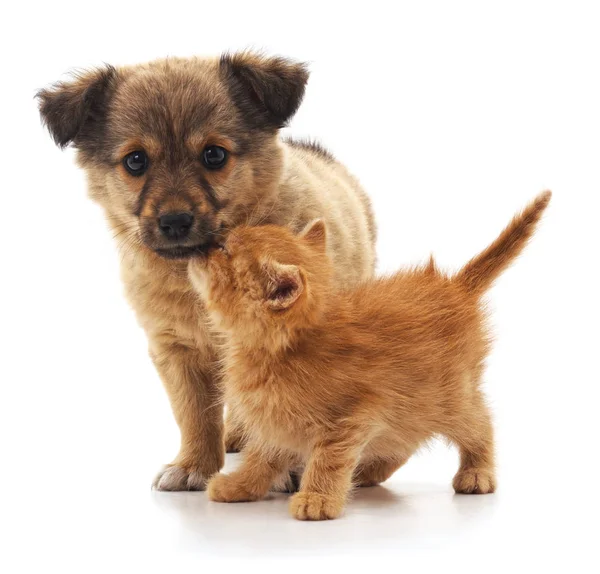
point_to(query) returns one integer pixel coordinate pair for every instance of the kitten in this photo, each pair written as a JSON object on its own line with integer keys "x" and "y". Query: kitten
{"x": 350, "y": 384}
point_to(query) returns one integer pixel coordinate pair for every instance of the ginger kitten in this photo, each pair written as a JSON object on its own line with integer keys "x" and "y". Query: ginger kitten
{"x": 349, "y": 384}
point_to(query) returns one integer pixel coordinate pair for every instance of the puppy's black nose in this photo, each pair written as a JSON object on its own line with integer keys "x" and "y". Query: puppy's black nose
{"x": 176, "y": 225}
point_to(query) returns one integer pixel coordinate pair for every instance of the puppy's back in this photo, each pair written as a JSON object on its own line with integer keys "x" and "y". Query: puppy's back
{"x": 316, "y": 185}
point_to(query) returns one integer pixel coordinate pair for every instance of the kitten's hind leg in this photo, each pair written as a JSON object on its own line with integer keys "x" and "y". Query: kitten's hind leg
{"x": 376, "y": 471}
{"x": 474, "y": 437}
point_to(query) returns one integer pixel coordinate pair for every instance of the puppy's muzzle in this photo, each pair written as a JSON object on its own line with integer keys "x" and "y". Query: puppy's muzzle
{"x": 175, "y": 226}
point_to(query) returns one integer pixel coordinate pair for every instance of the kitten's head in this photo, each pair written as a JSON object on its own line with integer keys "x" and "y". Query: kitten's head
{"x": 266, "y": 283}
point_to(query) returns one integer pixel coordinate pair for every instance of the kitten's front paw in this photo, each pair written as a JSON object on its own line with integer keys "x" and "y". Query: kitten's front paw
{"x": 315, "y": 506}
{"x": 474, "y": 481}
{"x": 175, "y": 477}
{"x": 225, "y": 488}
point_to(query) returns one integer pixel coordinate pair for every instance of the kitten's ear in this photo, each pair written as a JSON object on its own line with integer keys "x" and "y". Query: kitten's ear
{"x": 315, "y": 233}
{"x": 74, "y": 111}
{"x": 285, "y": 284}
{"x": 268, "y": 91}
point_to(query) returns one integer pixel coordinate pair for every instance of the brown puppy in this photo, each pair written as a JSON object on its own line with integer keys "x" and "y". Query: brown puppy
{"x": 352, "y": 383}
{"x": 178, "y": 152}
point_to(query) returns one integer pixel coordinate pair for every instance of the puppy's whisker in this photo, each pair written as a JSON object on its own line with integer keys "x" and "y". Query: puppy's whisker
{"x": 266, "y": 215}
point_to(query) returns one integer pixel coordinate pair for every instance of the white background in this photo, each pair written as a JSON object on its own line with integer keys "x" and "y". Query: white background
{"x": 453, "y": 115}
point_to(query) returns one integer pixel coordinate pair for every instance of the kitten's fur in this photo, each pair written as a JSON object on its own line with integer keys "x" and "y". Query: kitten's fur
{"x": 350, "y": 384}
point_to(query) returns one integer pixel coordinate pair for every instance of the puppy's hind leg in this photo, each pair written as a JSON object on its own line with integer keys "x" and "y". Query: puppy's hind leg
{"x": 376, "y": 471}
{"x": 474, "y": 438}
{"x": 289, "y": 481}
{"x": 234, "y": 432}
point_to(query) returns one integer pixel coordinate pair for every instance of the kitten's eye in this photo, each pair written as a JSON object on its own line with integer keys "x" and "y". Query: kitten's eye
{"x": 136, "y": 162}
{"x": 214, "y": 156}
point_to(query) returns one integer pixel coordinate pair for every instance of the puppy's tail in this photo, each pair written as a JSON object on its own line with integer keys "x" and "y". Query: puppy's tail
{"x": 479, "y": 273}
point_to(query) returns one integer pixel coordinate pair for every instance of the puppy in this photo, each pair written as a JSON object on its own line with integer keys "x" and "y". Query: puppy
{"x": 349, "y": 383}
{"x": 179, "y": 152}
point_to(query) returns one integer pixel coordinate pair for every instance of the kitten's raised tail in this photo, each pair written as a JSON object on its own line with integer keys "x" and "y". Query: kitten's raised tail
{"x": 479, "y": 273}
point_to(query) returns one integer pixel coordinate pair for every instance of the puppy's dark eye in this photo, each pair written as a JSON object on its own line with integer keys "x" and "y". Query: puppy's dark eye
{"x": 136, "y": 162}
{"x": 214, "y": 156}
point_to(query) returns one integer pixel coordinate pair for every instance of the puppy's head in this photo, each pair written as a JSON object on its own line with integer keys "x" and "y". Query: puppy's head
{"x": 264, "y": 284}
{"x": 178, "y": 151}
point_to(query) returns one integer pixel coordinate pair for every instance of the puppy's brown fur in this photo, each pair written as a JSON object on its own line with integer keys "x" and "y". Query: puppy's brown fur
{"x": 172, "y": 109}
{"x": 351, "y": 383}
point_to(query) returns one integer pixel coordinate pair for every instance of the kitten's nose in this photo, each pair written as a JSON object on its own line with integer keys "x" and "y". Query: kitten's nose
{"x": 175, "y": 225}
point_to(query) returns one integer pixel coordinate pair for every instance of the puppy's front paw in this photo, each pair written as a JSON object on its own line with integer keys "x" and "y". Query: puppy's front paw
{"x": 474, "y": 481}
{"x": 315, "y": 506}
{"x": 175, "y": 477}
{"x": 225, "y": 488}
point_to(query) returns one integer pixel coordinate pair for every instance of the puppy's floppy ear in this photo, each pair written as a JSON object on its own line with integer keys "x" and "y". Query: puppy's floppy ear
{"x": 268, "y": 91}
{"x": 285, "y": 284}
{"x": 315, "y": 233}
{"x": 74, "y": 111}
